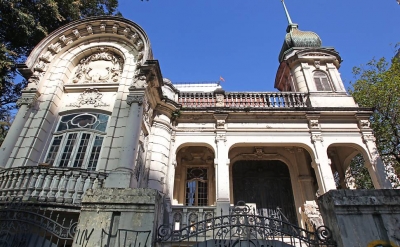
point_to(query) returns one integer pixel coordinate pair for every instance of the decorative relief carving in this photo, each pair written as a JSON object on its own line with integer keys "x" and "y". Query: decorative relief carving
{"x": 65, "y": 40}
{"x": 115, "y": 28}
{"x": 102, "y": 27}
{"x": 364, "y": 124}
{"x": 368, "y": 138}
{"x": 220, "y": 124}
{"x": 130, "y": 99}
{"x": 134, "y": 37}
{"x": 317, "y": 138}
{"x": 317, "y": 64}
{"x": 258, "y": 154}
{"x": 220, "y": 120}
{"x": 90, "y": 96}
{"x": 76, "y": 33}
{"x": 39, "y": 68}
{"x": 139, "y": 80}
{"x": 314, "y": 124}
{"x": 55, "y": 48}
{"x": 100, "y": 67}
{"x": 29, "y": 97}
{"x": 147, "y": 112}
{"x": 220, "y": 137}
{"x": 219, "y": 100}
{"x": 89, "y": 29}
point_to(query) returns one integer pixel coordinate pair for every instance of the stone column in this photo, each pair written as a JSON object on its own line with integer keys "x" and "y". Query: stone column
{"x": 27, "y": 100}
{"x": 321, "y": 164}
{"x": 160, "y": 143}
{"x": 122, "y": 177}
{"x": 375, "y": 166}
{"x": 222, "y": 174}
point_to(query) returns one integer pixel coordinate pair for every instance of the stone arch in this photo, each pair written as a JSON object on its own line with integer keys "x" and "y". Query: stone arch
{"x": 82, "y": 31}
{"x": 297, "y": 158}
{"x": 192, "y": 159}
{"x": 341, "y": 154}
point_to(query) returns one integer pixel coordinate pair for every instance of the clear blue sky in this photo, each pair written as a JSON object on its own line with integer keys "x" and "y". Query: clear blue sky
{"x": 199, "y": 40}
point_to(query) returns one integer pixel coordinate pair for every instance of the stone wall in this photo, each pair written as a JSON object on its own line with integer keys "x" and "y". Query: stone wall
{"x": 118, "y": 217}
{"x": 362, "y": 217}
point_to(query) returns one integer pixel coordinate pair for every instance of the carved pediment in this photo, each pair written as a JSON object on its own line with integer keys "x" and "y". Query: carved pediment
{"x": 104, "y": 66}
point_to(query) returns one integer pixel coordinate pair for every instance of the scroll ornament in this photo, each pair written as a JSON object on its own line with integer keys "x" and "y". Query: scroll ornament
{"x": 101, "y": 67}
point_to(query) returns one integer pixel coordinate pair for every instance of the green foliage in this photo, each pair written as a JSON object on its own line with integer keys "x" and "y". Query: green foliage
{"x": 377, "y": 85}
{"x": 358, "y": 174}
{"x": 23, "y": 24}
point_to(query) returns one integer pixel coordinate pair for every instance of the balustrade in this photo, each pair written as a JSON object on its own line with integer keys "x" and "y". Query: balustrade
{"x": 243, "y": 100}
{"x": 183, "y": 216}
{"x": 61, "y": 185}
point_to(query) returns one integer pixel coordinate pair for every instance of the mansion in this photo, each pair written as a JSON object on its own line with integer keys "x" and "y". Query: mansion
{"x": 105, "y": 151}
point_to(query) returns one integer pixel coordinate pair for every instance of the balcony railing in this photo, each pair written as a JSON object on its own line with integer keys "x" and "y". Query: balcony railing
{"x": 242, "y": 100}
{"x": 43, "y": 184}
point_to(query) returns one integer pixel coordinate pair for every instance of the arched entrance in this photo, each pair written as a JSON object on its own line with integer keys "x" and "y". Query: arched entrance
{"x": 267, "y": 184}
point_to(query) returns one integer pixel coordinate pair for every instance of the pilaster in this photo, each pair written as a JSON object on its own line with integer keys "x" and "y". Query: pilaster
{"x": 222, "y": 173}
{"x": 27, "y": 100}
{"x": 122, "y": 176}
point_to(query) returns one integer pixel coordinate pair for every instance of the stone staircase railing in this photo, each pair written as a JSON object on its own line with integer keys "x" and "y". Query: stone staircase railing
{"x": 242, "y": 100}
{"x": 182, "y": 216}
{"x": 44, "y": 184}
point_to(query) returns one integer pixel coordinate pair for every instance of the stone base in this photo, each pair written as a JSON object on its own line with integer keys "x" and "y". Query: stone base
{"x": 362, "y": 217}
{"x": 223, "y": 206}
{"x": 111, "y": 215}
{"x": 118, "y": 179}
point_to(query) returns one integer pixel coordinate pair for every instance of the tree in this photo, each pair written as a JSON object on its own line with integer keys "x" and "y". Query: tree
{"x": 377, "y": 85}
{"x": 23, "y": 24}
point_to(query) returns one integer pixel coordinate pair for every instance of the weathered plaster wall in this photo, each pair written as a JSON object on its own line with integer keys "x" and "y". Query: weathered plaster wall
{"x": 362, "y": 217}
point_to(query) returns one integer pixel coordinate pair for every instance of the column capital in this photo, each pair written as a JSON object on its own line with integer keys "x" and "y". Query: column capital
{"x": 29, "y": 97}
{"x": 316, "y": 138}
{"x": 220, "y": 137}
{"x": 368, "y": 138}
{"x": 135, "y": 98}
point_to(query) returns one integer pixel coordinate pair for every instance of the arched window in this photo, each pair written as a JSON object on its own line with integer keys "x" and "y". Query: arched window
{"x": 321, "y": 81}
{"x": 77, "y": 141}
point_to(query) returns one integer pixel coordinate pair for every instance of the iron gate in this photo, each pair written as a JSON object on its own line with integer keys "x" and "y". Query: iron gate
{"x": 244, "y": 227}
{"x": 26, "y": 225}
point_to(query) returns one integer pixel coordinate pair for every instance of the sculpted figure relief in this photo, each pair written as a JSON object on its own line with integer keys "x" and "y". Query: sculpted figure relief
{"x": 139, "y": 80}
{"x": 103, "y": 66}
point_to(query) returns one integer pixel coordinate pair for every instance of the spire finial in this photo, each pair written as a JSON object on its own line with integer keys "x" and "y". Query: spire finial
{"x": 287, "y": 13}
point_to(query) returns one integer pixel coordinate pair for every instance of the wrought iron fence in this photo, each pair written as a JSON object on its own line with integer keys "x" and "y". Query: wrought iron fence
{"x": 24, "y": 225}
{"x": 244, "y": 227}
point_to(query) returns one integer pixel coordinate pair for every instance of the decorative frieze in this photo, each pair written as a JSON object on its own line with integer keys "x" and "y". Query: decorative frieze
{"x": 90, "y": 96}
